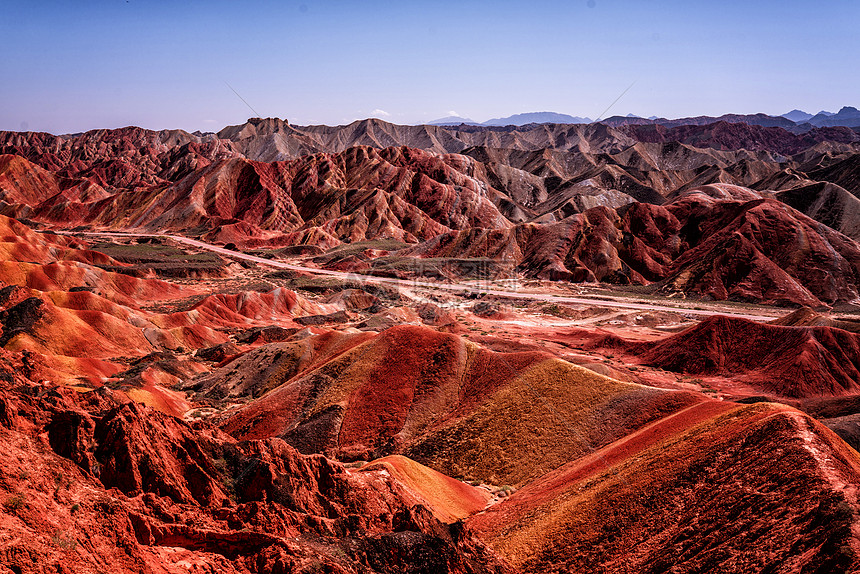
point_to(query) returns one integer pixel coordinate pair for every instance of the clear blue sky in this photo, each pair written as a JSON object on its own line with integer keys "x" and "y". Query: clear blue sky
{"x": 72, "y": 66}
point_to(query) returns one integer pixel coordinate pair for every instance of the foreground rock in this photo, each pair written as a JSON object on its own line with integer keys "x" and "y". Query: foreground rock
{"x": 89, "y": 481}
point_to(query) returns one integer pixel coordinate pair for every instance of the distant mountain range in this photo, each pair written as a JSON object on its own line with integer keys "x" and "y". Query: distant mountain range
{"x": 847, "y": 116}
{"x": 514, "y": 120}
{"x": 536, "y": 118}
{"x": 795, "y": 120}
{"x": 453, "y": 121}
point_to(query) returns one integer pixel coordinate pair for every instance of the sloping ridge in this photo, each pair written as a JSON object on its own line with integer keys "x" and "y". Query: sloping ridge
{"x": 447, "y": 403}
{"x": 786, "y": 361}
{"x": 731, "y": 488}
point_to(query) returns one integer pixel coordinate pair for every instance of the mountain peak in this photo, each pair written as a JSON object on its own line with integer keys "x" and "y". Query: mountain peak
{"x": 536, "y": 118}
{"x": 452, "y": 121}
{"x": 848, "y": 116}
{"x": 796, "y": 115}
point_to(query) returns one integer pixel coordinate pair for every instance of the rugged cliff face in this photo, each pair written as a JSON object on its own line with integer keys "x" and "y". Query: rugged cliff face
{"x": 92, "y": 481}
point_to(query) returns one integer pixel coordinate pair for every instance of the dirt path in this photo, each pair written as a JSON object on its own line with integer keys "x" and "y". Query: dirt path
{"x": 602, "y": 301}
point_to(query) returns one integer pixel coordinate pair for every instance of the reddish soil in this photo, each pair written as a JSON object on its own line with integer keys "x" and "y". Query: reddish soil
{"x": 667, "y": 505}
{"x": 713, "y": 239}
{"x": 91, "y": 482}
{"x": 236, "y": 419}
{"x": 795, "y": 362}
{"x": 449, "y": 500}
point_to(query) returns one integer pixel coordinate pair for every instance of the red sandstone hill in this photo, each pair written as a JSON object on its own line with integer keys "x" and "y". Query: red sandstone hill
{"x": 81, "y": 323}
{"x": 798, "y": 362}
{"x": 569, "y": 470}
{"x": 273, "y": 139}
{"x": 580, "y": 471}
{"x": 359, "y": 194}
{"x": 718, "y": 241}
{"x": 131, "y": 157}
{"x": 91, "y": 481}
{"x": 631, "y": 477}
{"x": 584, "y": 209}
{"x": 169, "y": 155}
{"x": 717, "y": 487}
{"x": 432, "y": 396}
{"x": 760, "y": 250}
{"x": 111, "y": 481}
{"x": 122, "y": 158}
{"x": 91, "y": 478}
{"x": 803, "y": 355}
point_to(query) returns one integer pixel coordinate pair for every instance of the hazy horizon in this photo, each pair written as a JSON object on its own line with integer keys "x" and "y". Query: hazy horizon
{"x": 159, "y": 65}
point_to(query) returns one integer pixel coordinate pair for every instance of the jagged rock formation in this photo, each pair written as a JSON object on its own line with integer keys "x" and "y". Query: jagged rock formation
{"x": 718, "y": 241}
{"x": 121, "y": 485}
{"x": 561, "y": 202}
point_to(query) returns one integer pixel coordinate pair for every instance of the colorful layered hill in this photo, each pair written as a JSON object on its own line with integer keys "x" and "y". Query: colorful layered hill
{"x": 803, "y": 355}
{"x": 461, "y": 409}
{"x": 91, "y": 477}
{"x": 81, "y": 324}
{"x": 714, "y": 487}
{"x": 449, "y": 499}
{"x": 580, "y": 203}
{"x": 330, "y": 436}
{"x": 604, "y": 475}
{"x": 796, "y": 362}
{"x": 718, "y": 241}
{"x": 359, "y": 194}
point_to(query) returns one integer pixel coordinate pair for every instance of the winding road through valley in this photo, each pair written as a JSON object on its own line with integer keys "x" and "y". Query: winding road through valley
{"x": 612, "y": 301}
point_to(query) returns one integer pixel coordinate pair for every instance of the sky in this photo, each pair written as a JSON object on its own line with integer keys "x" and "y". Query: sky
{"x": 72, "y": 66}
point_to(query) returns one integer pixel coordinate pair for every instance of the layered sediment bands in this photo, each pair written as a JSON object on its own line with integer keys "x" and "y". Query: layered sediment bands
{"x": 251, "y": 421}
{"x": 660, "y": 500}
{"x": 725, "y": 135}
{"x": 581, "y": 203}
{"x": 760, "y": 250}
{"x": 801, "y": 356}
{"x": 439, "y": 399}
{"x": 570, "y": 441}
{"x": 794, "y": 362}
{"x": 718, "y": 241}
{"x": 85, "y": 323}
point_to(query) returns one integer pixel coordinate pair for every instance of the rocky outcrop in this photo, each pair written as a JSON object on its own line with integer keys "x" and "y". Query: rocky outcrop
{"x": 20, "y": 318}
{"x": 151, "y": 452}
{"x": 128, "y": 486}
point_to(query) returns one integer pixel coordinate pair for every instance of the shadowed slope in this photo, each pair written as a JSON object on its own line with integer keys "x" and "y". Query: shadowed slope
{"x": 452, "y": 405}
{"x": 827, "y": 203}
{"x": 753, "y": 488}
{"x": 785, "y": 361}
